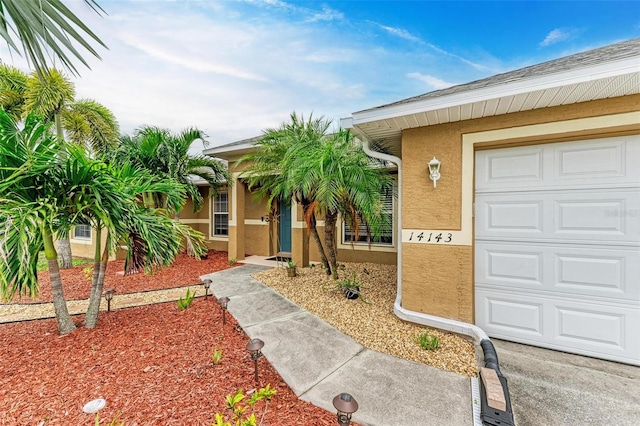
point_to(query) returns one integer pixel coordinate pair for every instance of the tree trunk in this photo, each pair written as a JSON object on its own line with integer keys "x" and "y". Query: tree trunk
{"x": 191, "y": 251}
{"x": 97, "y": 283}
{"x": 65, "y": 324}
{"x": 311, "y": 223}
{"x": 64, "y": 245}
{"x": 330, "y": 241}
{"x": 64, "y": 253}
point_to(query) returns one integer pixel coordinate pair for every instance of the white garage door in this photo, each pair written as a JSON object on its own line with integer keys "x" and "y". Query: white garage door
{"x": 557, "y": 246}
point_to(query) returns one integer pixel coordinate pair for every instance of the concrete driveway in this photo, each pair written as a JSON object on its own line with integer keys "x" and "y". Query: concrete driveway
{"x": 555, "y": 388}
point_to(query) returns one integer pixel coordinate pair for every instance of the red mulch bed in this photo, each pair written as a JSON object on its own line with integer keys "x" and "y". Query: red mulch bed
{"x": 186, "y": 270}
{"x": 152, "y": 364}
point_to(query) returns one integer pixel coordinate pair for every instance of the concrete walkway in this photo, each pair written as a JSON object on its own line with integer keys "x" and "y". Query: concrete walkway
{"x": 319, "y": 362}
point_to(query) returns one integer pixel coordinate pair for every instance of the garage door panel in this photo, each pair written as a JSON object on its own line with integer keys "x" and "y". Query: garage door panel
{"x": 588, "y": 271}
{"x": 590, "y": 162}
{"x": 595, "y": 163}
{"x": 597, "y": 329}
{"x": 597, "y": 215}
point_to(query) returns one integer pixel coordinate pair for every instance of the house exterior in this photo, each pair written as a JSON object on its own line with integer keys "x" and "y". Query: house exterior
{"x": 532, "y": 231}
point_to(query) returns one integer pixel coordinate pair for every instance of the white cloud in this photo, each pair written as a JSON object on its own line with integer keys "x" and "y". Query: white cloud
{"x": 399, "y": 32}
{"x": 433, "y": 82}
{"x": 559, "y": 35}
{"x": 327, "y": 14}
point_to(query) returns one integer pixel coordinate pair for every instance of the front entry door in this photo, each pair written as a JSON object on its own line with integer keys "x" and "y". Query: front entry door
{"x": 284, "y": 227}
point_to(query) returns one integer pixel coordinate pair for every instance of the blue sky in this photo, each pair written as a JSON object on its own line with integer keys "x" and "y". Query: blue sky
{"x": 234, "y": 68}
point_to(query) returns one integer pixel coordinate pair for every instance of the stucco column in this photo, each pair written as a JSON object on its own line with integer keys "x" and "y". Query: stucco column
{"x": 236, "y": 221}
{"x": 299, "y": 236}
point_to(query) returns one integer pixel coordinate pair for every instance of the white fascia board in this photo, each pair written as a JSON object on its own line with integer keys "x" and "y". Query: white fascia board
{"x": 563, "y": 78}
{"x": 227, "y": 149}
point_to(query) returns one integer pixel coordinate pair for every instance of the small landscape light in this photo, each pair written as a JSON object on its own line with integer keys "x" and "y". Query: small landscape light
{"x": 346, "y": 406}
{"x": 108, "y": 295}
{"x": 224, "y": 301}
{"x": 206, "y": 284}
{"x": 254, "y": 347}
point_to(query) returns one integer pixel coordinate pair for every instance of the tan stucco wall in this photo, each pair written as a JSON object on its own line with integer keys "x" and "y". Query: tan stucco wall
{"x": 438, "y": 279}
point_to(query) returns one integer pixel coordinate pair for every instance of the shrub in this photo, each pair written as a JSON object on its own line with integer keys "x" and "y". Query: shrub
{"x": 238, "y": 410}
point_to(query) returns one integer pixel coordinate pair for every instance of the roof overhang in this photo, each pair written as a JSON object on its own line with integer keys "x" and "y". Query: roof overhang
{"x": 605, "y": 80}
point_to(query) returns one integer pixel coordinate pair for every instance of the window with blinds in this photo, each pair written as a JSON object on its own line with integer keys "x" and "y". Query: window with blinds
{"x": 363, "y": 234}
{"x": 82, "y": 232}
{"x": 221, "y": 214}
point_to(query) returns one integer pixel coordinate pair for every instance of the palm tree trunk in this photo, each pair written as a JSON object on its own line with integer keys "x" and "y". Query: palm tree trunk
{"x": 191, "y": 251}
{"x": 64, "y": 245}
{"x": 97, "y": 283}
{"x": 64, "y": 253}
{"x": 311, "y": 222}
{"x": 65, "y": 324}
{"x": 330, "y": 241}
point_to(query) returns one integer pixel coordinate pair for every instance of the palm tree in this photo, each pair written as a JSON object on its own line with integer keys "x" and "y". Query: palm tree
{"x": 167, "y": 156}
{"x": 40, "y": 24}
{"x": 344, "y": 181}
{"x": 273, "y": 162}
{"x": 47, "y": 184}
{"x": 51, "y": 96}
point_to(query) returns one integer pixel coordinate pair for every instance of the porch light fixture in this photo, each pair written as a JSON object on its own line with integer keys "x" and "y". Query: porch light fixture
{"x": 224, "y": 301}
{"x": 108, "y": 295}
{"x": 254, "y": 347}
{"x": 346, "y": 406}
{"x": 206, "y": 284}
{"x": 434, "y": 170}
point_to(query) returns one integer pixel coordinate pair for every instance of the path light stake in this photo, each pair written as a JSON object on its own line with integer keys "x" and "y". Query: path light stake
{"x": 346, "y": 406}
{"x": 223, "y": 301}
{"x": 108, "y": 294}
{"x": 206, "y": 284}
{"x": 254, "y": 347}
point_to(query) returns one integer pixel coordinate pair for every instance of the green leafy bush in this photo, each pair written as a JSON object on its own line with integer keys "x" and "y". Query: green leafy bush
{"x": 239, "y": 414}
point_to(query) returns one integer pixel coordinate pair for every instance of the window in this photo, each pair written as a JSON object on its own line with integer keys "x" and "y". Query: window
{"x": 82, "y": 232}
{"x": 221, "y": 214}
{"x": 386, "y": 235}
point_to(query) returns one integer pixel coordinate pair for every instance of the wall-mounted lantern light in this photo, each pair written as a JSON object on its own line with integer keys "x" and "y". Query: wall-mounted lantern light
{"x": 346, "y": 406}
{"x": 434, "y": 170}
{"x": 108, "y": 295}
{"x": 206, "y": 284}
{"x": 224, "y": 301}
{"x": 254, "y": 347}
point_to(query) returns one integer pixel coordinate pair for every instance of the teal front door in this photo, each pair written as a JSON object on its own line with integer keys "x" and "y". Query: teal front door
{"x": 284, "y": 227}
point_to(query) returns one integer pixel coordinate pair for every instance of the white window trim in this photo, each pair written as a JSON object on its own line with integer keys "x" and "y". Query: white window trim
{"x": 212, "y": 236}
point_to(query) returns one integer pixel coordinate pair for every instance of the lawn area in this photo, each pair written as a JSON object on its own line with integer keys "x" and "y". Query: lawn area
{"x": 152, "y": 364}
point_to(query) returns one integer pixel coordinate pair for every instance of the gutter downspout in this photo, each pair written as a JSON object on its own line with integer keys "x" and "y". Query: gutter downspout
{"x": 489, "y": 415}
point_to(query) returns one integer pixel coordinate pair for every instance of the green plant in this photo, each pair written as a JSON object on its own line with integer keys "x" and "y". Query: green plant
{"x": 115, "y": 422}
{"x": 428, "y": 343}
{"x": 291, "y": 264}
{"x": 186, "y": 302}
{"x": 233, "y": 261}
{"x": 88, "y": 273}
{"x": 239, "y": 411}
{"x": 216, "y": 356}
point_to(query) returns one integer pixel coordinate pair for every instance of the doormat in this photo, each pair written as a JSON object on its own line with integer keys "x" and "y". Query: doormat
{"x": 279, "y": 258}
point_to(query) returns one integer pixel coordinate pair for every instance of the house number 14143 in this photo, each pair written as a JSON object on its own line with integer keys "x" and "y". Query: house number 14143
{"x": 440, "y": 237}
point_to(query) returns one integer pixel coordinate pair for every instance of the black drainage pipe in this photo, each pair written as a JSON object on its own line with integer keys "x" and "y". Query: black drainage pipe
{"x": 489, "y": 415}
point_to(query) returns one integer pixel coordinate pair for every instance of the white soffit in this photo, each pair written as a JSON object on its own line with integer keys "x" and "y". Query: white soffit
{"x": 608, "y": 80}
